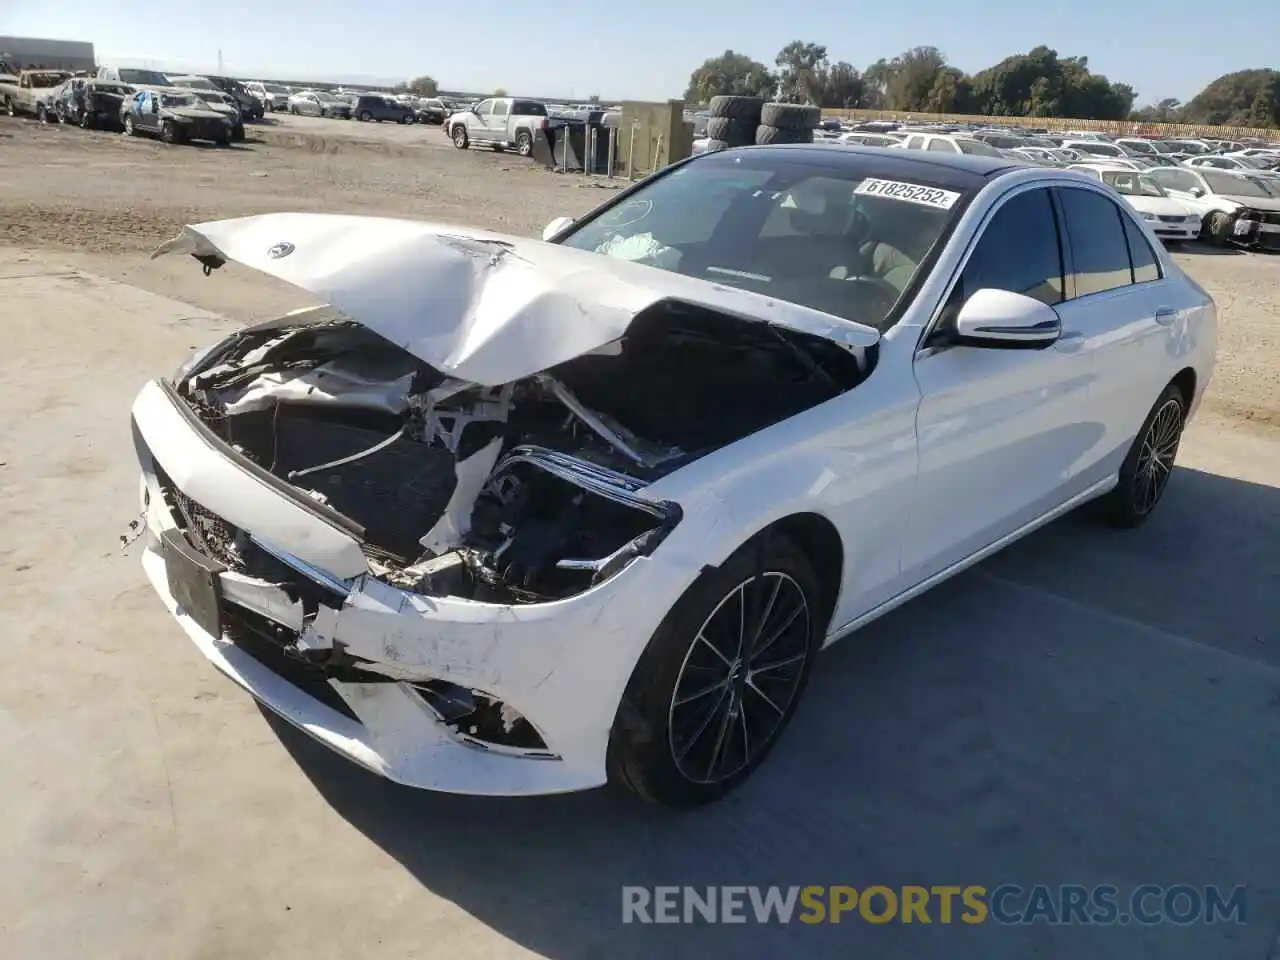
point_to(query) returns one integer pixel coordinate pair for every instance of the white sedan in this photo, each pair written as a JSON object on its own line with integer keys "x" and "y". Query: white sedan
{"x": 515, "y": 516}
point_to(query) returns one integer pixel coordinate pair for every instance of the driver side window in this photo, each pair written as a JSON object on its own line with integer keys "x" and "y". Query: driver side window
{"x": 1019, "y": 251}
{"x": 484, "y": 108}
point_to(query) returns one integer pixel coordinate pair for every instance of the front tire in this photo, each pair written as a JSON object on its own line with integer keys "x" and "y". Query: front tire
{"x": 42, "y": 113}
{"x": 129, "y": 129}
{"x": 366, "y": 117}
{"x": 1146, "y": 470}
{"x": 459, "y": 135}
{"x": 721, "y": 677}
{"x": 169, "y": 132}
{"x": 1217, "y": 228}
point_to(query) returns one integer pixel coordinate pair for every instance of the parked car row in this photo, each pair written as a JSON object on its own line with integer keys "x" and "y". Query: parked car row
{"x": 1187, "y": 189}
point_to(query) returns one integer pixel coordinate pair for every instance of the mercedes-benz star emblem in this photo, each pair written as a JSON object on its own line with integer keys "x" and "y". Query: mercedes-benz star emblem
{"x": 280, "y": 250}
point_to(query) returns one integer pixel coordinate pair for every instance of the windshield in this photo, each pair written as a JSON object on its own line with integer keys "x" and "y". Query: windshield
{"x": 977, "y": 148}
{"x": 1133, "y": 184}
{"x": 822, "y": 236}
{"x": 149, "y": 77}
{"x": 44, "y": 80}
{"x": 1232, "y": 185}
{"x": 1162, "y": 147}
{"x": 180, "y": 100}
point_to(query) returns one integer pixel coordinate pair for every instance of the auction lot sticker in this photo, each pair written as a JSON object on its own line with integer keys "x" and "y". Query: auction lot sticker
{"x": 910, "y": 192}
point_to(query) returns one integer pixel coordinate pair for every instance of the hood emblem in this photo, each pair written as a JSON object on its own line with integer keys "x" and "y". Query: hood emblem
{"x": 280, "y": 250}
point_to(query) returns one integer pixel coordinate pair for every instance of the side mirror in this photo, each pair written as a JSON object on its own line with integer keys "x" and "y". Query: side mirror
{"x": 1005, "y": 320}
{"x": 1197, "y": 192}
{"x": 556, "y": 226}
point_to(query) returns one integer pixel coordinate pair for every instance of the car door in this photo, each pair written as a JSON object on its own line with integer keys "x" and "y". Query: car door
{"x": 496, "y": 124}
{"x": 1002, "y": 434}
{"x": 144, "y": 117}
{"x": 477, "y": 120}
{"x": 1119, "y": 297}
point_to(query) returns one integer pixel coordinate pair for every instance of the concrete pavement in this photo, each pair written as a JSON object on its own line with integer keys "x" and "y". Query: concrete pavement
{"x": 1088, "y": 707}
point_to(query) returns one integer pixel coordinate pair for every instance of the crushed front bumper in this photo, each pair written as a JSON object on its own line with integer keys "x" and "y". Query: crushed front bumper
{"x": 562, "y": 665}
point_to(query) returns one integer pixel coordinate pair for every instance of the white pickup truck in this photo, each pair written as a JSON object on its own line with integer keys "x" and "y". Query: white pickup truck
{"x": 33, "y": 93}
{"x": 503, "y": 123}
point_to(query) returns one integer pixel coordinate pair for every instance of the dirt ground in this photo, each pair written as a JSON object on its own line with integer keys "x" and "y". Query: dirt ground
{"x": 103, "y": 202}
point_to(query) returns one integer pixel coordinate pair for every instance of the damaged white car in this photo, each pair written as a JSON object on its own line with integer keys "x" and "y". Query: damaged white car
{"x": 511, "y": 516}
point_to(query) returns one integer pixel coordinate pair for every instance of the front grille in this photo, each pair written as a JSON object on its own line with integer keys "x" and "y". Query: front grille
{"x": 1267, "y": 216}
{"x": 267, "y": 642}
{"x": 1171, "y": 219}
{"x": 204, "y": 530}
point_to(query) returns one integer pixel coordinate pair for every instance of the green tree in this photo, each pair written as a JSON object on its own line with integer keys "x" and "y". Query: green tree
{"x": 423, "y": 86}
{"x": 802, "y": 72}
{"x": 500, "y": 92}
{"x": 732, "y": 74}
{"x": 1233, "y": 99}
{"x": 910, "y": 77}
{"x": 842, "y": 86}
{"x": 950, "y": 93}
{"x": 1041, "y": 84}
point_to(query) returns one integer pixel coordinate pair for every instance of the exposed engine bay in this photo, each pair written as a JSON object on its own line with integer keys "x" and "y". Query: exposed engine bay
{"x": 522, "y": 493}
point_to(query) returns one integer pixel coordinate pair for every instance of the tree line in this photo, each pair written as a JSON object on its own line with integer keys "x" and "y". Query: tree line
{"x": 1039, "y": 83}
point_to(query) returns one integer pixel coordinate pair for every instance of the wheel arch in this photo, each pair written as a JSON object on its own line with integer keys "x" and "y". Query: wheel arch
{"x": 1185, "y": 381}
{"x": 820, "y": 541}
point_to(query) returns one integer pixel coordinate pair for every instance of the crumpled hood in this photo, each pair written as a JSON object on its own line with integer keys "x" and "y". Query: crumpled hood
{"x": 475, "y": 305}
{"x": 1270, "y": 204}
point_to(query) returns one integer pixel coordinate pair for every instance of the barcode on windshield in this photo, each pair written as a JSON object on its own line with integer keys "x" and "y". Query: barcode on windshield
{"x": 909, "y": 192}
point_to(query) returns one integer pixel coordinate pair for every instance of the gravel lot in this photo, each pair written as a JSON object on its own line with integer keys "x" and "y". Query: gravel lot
{"x": 1088, "y": 707}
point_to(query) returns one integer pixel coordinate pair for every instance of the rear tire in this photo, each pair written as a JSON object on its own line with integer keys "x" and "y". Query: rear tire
{"x": 746, "y": 109}
{"x": 524, "y": 143}
{"x": 766, "y": 134}
{"x": 685, "y": 735}
{"x": 736, "y": 133}
{"x": 790, "y": 116}
{"x": 1146, "y": 470}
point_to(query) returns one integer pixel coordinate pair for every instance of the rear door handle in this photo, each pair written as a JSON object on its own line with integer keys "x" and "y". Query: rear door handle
{"x": 1166, "y": 315}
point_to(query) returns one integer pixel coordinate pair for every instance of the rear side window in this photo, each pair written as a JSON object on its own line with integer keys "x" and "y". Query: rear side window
{"x": 1018, "y": 251}
{"x": 1145, "y": 265}
{"x": 915, "y": 143}
{"x": 529, "y": 108}
{"x": 1099, "y": 251}
{"x": 943, "y": 146}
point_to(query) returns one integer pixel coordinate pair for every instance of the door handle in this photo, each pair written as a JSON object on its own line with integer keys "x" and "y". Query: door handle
{"x": 1166, "y": 315}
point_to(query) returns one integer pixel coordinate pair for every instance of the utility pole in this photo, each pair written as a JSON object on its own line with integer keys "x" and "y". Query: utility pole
{"x": 219, "y": 61}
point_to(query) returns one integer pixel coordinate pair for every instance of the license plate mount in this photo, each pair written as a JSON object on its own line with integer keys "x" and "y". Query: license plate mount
{"x": 193, "y": 582}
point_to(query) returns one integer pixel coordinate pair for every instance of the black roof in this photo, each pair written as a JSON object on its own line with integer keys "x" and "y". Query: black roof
{"x": 952, "y": 171}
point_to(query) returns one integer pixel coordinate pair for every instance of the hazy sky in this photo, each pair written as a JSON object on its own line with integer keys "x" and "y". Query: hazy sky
{"x": 572, "y": 49}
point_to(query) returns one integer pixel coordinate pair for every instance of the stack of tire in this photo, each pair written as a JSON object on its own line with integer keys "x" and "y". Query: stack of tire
{"x": 743, "y": 121}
